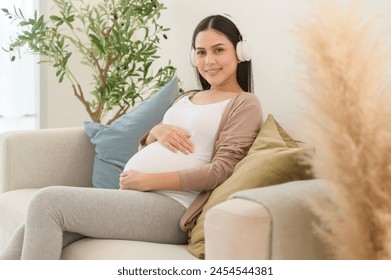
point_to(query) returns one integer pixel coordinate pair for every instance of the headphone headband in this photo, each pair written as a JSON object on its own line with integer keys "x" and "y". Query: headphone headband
{"x": 243, "y": 49}
{"x": 234, "y": 22}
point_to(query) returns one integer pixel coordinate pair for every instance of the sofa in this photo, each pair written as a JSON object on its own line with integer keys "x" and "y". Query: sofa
{"x": 272, "y": 222}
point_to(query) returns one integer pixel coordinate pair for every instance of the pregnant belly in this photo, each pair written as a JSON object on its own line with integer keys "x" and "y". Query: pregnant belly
{"x": 156, "y": 158}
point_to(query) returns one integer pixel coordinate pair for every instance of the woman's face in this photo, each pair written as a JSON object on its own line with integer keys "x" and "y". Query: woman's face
{"x": 215, "y": 58}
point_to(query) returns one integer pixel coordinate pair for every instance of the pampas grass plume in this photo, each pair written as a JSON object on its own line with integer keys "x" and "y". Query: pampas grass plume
{"x": 349, "y": 117}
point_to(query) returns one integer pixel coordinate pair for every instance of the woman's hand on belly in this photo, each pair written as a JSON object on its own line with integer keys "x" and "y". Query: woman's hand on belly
{"x": 131, "y": 180}
{"x": 172, "y": 137}
{"x": 139, "y": 181}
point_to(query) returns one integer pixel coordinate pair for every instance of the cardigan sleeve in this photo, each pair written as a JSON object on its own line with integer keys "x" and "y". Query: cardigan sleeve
{"x": 235, "y": 138}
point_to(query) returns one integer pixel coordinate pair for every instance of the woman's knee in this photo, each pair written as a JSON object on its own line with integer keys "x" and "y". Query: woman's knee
{"x": 45, "y": 200}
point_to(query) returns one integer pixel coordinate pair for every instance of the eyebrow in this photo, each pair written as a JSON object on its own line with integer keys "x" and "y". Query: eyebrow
{"x": 214, "y": 46}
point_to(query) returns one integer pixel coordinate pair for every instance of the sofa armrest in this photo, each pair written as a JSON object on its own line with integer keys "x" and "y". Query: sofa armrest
{"x": 237, "y": 229}
{"x": 45, "y": 157}
{"x": 266, "y": 223}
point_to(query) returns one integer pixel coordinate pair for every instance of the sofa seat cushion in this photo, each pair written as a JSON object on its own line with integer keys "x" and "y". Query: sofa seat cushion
{"x": 13, "y": 207}
{"x": 108, "y": 249}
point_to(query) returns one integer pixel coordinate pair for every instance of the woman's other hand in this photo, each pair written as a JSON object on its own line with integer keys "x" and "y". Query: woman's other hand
{"x": 172, "y": 137}
{"x": 139, "y": 181}
{"x": 131, "y": 180}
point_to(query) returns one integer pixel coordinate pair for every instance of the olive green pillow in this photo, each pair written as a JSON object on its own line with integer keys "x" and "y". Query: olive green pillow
{"x": 272, "y": 159}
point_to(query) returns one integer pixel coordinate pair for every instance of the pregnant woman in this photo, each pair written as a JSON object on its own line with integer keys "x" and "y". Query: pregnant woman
{"x": 192, "y": 151}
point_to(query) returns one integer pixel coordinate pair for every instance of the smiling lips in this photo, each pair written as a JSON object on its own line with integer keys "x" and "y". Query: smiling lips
{"x": 212, "y": 71}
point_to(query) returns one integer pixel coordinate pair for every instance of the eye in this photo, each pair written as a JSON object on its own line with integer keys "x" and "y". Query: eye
{"x": 219, "y": 50}
{"x": 200, "y": 52}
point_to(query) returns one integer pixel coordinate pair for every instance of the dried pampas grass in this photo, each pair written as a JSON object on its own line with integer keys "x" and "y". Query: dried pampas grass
{"x": 349, "y": 120}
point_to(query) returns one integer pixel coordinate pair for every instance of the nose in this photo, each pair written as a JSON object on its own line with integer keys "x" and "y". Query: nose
{"x": 210, "y": 59}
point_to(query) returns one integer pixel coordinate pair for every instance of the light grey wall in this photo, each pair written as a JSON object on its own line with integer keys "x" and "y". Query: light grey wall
{"x": 267, "y": 24}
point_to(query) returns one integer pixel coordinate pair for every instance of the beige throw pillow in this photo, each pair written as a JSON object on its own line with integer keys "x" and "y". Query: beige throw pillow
{"x": 272, "y": 159}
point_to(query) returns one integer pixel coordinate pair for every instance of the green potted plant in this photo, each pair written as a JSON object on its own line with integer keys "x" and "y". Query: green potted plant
{"x": 118, "y": 41}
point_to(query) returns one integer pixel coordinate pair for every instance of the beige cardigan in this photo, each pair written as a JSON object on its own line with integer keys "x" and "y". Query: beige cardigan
{"x": 239, "y": 125}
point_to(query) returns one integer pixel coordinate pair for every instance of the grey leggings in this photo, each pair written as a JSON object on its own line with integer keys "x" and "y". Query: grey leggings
{"x": 58, "y": 216}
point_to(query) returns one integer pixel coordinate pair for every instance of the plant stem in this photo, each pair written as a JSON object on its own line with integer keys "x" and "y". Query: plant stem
{"x": 119, "y": 113}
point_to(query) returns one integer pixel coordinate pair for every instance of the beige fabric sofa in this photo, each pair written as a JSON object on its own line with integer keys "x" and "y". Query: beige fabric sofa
{"x": 265, "y": 223}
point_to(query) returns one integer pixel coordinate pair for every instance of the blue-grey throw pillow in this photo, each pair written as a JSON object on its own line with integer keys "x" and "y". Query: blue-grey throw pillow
{"x": 115, "y": 144}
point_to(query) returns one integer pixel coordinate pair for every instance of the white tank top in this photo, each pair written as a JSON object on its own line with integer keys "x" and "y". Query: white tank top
{"x": 201, "y": 122}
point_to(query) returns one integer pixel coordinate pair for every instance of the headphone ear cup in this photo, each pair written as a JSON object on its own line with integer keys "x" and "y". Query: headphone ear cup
{"x": 192, "y": 57}
{"x": 243, "y": 51}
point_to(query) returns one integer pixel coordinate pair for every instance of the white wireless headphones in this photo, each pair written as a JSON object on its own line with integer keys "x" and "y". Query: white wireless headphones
{"x": 243, "y": 49}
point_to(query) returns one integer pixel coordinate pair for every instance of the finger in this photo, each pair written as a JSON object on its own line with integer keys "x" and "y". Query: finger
{"x": 122, "y": 186}
{"x": 187, "y": 143}
{"x": 178, "y": 144}
{"x": 184, "y": 144}
{"x": 125, "y": 173}
{"x": 184, "y": 147}
{"x": 169, "y": 146}
{"x": 122, "y": 181}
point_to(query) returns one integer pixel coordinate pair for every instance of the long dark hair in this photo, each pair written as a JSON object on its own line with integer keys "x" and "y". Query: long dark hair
{"x": 228, "y": 28}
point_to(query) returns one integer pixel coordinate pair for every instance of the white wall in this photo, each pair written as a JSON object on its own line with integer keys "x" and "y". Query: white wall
{"x": 58, "y": 106}
{"x": 267, "y": 24}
